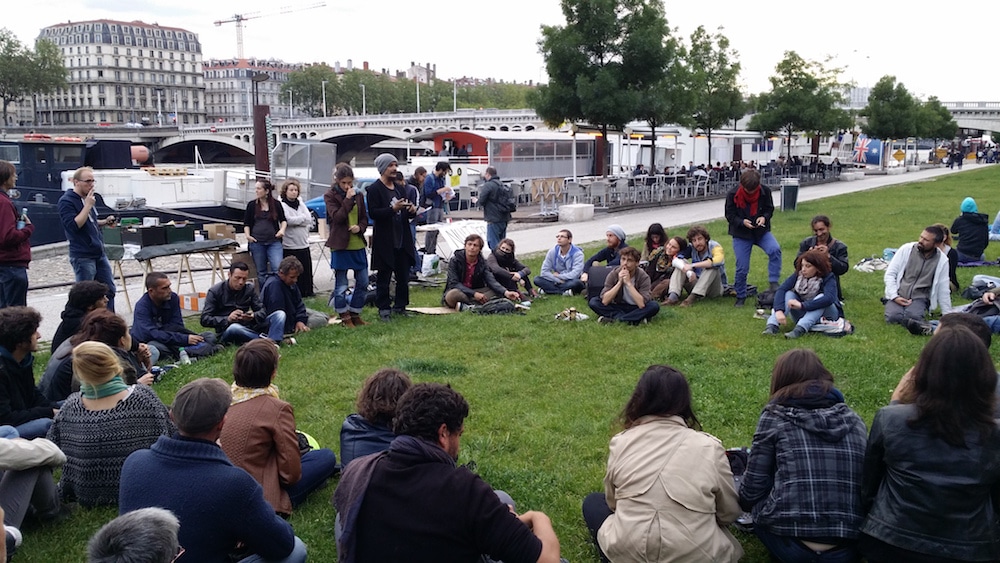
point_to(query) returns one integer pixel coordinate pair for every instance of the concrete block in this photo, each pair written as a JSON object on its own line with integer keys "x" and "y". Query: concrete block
{"x": 576, "y": 212}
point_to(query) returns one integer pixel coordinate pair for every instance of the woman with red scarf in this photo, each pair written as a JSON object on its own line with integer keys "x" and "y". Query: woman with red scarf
{"x": 749, "y": 209}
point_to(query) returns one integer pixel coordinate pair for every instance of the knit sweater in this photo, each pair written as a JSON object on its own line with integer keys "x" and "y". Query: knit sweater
{"x": 96, "y": 443}
{"x": 218, "y": 504}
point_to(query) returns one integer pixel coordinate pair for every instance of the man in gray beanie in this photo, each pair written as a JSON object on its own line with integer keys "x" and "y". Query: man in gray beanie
{"x": 610, "y": 254}
{"x": 392, "y": 242}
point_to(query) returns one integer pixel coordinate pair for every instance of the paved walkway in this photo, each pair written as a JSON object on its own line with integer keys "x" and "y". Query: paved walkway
{"x": 533, "y": 238}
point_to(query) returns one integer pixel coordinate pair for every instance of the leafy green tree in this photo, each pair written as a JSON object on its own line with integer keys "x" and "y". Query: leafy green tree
{"x": 934, "y": 121}
{"x": 595, "y": 73}
{"x": 307, "y": 89}
{"x": 891, "y": 112}
{"x": 713, "y": 71}
{"x": 804, "y": 96}
{"x": 25, "y": 71}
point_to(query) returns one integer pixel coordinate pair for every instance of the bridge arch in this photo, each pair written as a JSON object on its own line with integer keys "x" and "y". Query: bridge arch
{"x": 212, "y": 148}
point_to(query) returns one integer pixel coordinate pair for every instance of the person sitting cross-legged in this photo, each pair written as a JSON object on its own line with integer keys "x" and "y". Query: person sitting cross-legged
{"x": 562, "y": 267}
{"x": 259, "y": 435}
{"x": 222, "y": 510}
{"x": 808, "y": 295}
{"x": 626, "y": 296}
{"x": 158, "y": 322}
{"x": 470, "y": 281}
{"x": 509, "y": 271}
{"x": 234, "y": 309}
{"x": 281, "y": 293}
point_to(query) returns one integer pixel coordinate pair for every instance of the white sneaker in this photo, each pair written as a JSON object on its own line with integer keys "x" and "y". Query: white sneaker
{"x": 568, "y": 293}
{"x": 14, "y": 533}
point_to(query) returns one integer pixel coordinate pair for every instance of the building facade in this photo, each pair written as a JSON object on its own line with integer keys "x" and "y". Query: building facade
{"x": 229, "y": 88}
{"x": 125, "y": 72}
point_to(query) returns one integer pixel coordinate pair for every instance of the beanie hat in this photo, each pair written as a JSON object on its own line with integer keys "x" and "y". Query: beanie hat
{"x": 383, "y": 161}
{"x": 618, "y": 231}
{"x": 200, "y": 405}
{"x": 969, "y": 205}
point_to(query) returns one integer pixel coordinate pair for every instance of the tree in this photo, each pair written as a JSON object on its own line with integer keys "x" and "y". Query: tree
{"x": 25, "y": 71}
{"x": 934, "y": 121}
{"x": 307, "y": 89}
{"x": 891, "y": 112}
{"x": 594, "y": 71}
{"x": 713, "y": 67}
{"x": 804, "y": 96}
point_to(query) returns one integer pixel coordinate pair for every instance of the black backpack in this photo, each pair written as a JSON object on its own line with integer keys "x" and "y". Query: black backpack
{"x": 506, "y": 196}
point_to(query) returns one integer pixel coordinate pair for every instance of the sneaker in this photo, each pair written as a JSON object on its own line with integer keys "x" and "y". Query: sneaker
{"x": 796, "y": 332}
{"x": 918, "y": 328}
{"x": 15, "y": 535}
{"x": 691, "y": 300}
{"x": 672, "y": 299}
{"x": 385, "y": 315}
{"x": 540, "y": 293}
{"x": 770, "y": 330}
{"x": 568, "y": 293}
{"x": 461, "y": 307}
{"x": 526, "y": 304}
{"x": 740, "y": 301}
{"x": 605, "y": 320}
{"x": 289, "y": 341}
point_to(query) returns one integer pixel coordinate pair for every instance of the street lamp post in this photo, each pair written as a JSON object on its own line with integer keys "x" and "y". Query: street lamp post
{"x": 364, "y": 101}
{"x": 324, "y": 97}
{"x": 289, "y": 103}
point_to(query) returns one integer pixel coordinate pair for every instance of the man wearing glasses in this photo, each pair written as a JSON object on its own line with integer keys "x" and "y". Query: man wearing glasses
{"x": 836, "y": 249}
{"x": 562, "y": 267}
{"x": 83, "y": 231}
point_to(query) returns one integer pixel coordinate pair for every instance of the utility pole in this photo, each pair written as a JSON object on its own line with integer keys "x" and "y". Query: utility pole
{"x": 324, "y": 97}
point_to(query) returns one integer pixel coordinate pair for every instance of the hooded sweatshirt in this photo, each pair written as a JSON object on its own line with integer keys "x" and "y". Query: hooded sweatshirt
{"x": 803, "y": 477}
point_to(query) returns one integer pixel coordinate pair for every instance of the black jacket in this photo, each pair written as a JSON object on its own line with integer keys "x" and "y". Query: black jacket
{"x": 20, "y": 401}
{"x": 735, "y": 215}
{"x": 481, "y": 276}
{"x": 222, "y": 300}
{"x": 973, "y": 233}
{"x": 492, "y": 200}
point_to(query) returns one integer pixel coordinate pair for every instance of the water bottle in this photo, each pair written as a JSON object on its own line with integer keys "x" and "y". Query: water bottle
{"x": 22, "y": 220}
{"x": 184, "y": 358}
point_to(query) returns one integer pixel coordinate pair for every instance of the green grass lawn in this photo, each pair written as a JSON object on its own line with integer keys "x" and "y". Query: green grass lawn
{"x": 545, "y": 394}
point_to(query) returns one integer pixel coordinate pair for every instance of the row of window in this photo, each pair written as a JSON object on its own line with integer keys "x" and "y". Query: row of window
{"x": 79, "y": 62}
{"x": 243, "y": 86}
{"x": 134, "y": 77}
{"x": 115, "y": 28}
{"x": 115, "y": 40}
{"x": 128, "y": 52}
{"x": 247, "y": 72}
{"x": 119, "y": 101}
{"x": 119, "y": 117}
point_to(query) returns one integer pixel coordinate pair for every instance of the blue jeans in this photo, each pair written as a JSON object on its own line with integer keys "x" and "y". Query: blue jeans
{"x": 32, "y": 429}
{"x": 804, "y": 319}
{"x": 552, "y": 288}
{"x": 790, "y": 550}
{"x": 96, "y": 269}
{"x": 495, "y": 232}
{"x": 298, "y": 555}
{"x": 742, "y": 248}
{"x": 263, "y": 253}
{"x": 624, "y": 312}
{"x": 317, "y": 466}
{"x": 340, "y": 284}
{"x": 13, "y": 286}
{"x": 238, "y": 334}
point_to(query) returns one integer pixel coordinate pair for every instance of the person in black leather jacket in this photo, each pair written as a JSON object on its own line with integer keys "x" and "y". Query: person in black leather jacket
{"x": 932, "y": 467}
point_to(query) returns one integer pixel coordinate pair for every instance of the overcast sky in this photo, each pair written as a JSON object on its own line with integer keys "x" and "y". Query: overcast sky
{"x": 945, "y": 51}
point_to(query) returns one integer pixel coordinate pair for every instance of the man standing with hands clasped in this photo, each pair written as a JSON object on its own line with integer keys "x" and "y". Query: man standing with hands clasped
{"x": 83, "y": 231}
{"x": 392, "y": 243}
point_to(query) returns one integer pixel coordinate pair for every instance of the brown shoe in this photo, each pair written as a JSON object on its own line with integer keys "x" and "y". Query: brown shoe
{"x": 356, "y": 319}
{"x": 346, "y": 320}
{"x": 672, "y": 300}
{"x": 691, "y": 299}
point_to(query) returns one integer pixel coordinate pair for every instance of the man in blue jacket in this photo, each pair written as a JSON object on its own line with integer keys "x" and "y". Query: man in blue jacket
{"x": 220, "y": 506}
{"x": 83, "y": 231}
{"x": 157, "y": 322}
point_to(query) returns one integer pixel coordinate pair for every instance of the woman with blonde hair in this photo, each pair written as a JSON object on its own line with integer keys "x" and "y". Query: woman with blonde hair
{"x": 298, "y": 220}
{"x": 101, "y": 425}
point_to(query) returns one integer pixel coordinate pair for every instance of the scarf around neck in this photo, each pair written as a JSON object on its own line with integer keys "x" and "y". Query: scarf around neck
{"x": 243, "y": 394}
{"x": 110, "y": 387}
{"x": 293, "y": 203}
{"x": 744, "y": 198}
{"x": 807, "y": 288}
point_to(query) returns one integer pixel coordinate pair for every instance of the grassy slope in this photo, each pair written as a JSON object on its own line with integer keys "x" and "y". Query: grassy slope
{"x": 545, "y": 394}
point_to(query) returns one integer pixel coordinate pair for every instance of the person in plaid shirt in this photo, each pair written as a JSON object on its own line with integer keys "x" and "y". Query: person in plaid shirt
{"x": 803, "y": 479}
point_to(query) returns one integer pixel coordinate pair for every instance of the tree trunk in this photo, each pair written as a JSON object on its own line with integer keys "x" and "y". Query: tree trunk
{"x": 652, "y": 149}
{"x": 708, "y": 159}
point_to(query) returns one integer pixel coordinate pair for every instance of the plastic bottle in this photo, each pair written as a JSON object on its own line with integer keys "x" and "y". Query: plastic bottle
{"x": 184, "y": 358}
{"x": 21, "y": 221}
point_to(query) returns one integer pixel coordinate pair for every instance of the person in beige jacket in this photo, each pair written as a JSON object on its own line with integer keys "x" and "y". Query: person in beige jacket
{"x": 669, "y": 490}
{"x": 26, "y": 470}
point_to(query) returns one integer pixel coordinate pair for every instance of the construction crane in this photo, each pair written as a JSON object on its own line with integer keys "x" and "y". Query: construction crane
{"x": 238, "y": 19}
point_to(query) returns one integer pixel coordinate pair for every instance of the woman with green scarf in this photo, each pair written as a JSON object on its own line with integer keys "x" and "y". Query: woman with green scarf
{"x": 98, "y": 427}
